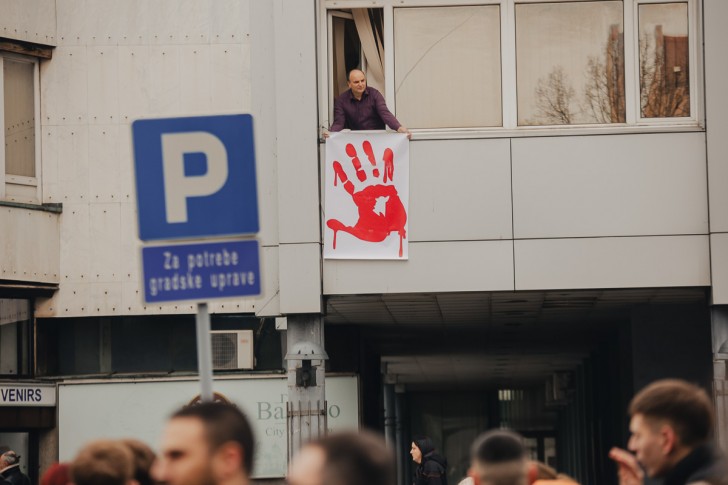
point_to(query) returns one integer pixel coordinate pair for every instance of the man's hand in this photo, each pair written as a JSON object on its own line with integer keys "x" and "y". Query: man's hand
{"x": 403, "y": 129}
{"x": 326, "y": 134}
{"x": 629, "y": 470}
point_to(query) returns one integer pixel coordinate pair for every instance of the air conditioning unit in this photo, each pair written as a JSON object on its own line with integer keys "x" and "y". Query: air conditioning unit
{"x": 232, "y": 349}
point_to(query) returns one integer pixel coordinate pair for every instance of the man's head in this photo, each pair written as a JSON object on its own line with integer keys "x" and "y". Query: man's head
{"x": 668, "y": 419}
{"x": 103, "y": 462}
{"x": 357, "y": 82}
{"x": 9, "y": 458}
{"x": 343, "y": 459}
{"x": 206, "y": 444}
{"x": 499, "y": 458}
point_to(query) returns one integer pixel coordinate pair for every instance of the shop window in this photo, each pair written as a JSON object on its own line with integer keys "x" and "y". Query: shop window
{"x": 570, "y": 63}
{"x": 447, "y": 66}
{"x": 664, "y": 64}
{"x": 14, "y": 337}
{"x": 138, "y": 345}
{"x": 19, "y": 156}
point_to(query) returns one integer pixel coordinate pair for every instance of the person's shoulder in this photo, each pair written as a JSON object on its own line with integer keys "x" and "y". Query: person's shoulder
{"x": 433, "y": 466}
{"x": 374, "y": 92}
{"x": 343, "y": 96}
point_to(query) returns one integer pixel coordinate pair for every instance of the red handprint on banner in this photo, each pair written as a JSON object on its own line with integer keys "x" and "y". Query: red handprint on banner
{"x": 381, "y": 211}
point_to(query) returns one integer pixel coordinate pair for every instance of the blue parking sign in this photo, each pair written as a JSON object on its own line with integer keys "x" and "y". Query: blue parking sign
{"x": 195, "y": 177}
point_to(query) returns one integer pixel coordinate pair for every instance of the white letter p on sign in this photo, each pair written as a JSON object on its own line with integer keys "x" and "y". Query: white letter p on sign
{"x": 177, "y": 186}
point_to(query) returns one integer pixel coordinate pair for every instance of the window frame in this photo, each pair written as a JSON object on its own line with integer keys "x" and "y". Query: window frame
{"x": 510, "y": 128}
{"x": 22, "y": 189}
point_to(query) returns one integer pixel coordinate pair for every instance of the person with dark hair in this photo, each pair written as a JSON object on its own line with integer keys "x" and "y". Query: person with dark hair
{"x": 206, "y": 444}
{"x": 499, "y": 458}
{"x": 103, "y": 462}
{"x": 431, "y": 466}
{"x": 10, "y": 473}
{"x": 143, "y": 459}
{"x": 671, "y": 428}
{"x": 343, "y": 459}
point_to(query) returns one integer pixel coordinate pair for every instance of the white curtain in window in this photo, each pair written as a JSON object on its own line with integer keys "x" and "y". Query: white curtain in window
{"x": 447, "y": 66}
{"x": 372, "y": 47}
{"x": 339, "y": 29}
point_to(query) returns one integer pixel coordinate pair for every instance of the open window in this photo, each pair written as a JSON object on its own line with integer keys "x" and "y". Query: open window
{"x": 356, "y": 40}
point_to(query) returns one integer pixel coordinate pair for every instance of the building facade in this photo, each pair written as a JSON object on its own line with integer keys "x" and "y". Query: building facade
{"x": 568, "y": 211}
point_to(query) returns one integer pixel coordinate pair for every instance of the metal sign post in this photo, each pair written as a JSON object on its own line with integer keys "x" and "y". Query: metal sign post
{"x": 195, "y": 180}
{"x": 204, "y": 352}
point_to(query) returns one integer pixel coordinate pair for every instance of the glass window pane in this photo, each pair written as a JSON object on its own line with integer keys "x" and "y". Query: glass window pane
{"x": 447, "y": 66}
{"x": 19, "y": 118}
{"x": 664, "y": 60}
{"x": 570, "y": 63}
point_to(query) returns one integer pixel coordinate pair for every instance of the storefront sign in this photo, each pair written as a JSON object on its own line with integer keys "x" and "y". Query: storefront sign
{"x": 19, "y": 394}
{"x": 139, "y": 409}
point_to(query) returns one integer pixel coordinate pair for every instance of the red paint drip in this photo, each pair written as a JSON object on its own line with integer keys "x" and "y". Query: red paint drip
{"x": 388, "y": 164}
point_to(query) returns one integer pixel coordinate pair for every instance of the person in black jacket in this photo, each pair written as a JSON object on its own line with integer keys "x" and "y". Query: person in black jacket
{"x": 431, "y": 467}
{"x": 10, "y": 473}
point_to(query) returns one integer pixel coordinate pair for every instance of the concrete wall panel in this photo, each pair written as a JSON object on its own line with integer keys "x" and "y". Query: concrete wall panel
{"x": 103, "y": 84}
{"x": 432, "y": 267}
{"x": 300, "y": 278}
{"x": 105, "y": 239}
{"x": 460, "y": 190}
{"x": 263, "y": 109}
{"x": 296, "y": 115}
{"x": 613, "y": 185}
{"x": 104, "y": 169}
{"x": 134, "y": 82}
{"x": 64, "y": 87}
{"x": 73, "y": 168}
{"x": 230, "y": 87}
{"x": 624, "y": 262}
{"x": 719, "y": 268}
{"x": 29, "y": 245}
{"x": 29, "y": 20}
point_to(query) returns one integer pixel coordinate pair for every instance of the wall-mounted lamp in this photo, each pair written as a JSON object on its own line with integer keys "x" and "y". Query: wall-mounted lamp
{"x": 306, "y": 352}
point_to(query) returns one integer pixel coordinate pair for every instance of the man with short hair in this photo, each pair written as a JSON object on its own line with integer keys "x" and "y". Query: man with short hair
{"x": 363, "y": 108}
{"x": 343, "y": 459}
{"x": 671, "y": 425}
{"x": 103, "y": 462}
{"x": 206, "y": 444}
{"x": 499, "y": 458}
{"x": 10, "y": 473}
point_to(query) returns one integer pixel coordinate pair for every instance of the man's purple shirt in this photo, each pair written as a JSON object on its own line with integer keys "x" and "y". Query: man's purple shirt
{"x": 369, "y": 113}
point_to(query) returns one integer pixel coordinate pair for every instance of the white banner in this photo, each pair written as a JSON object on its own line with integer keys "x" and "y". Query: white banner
{"x": 139, "y": 409}
{"x": 366, "y": 196}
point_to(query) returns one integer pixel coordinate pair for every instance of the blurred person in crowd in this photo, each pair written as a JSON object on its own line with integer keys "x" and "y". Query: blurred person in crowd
{"x": 431, "y": 466}
{"x": 10, "y": 469}
{"x": 103, "y": 462}
{"x": 540, "y": 473}
{"x": 206, "y": 444}
{"x": 470, "y": 479}
{"x": 143, "y": 459}
{"x": 671, "y": 423}
{"x": 499, "y": 458}
{"x": 56, "y": 474}
{"x": 343, "y": 459}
